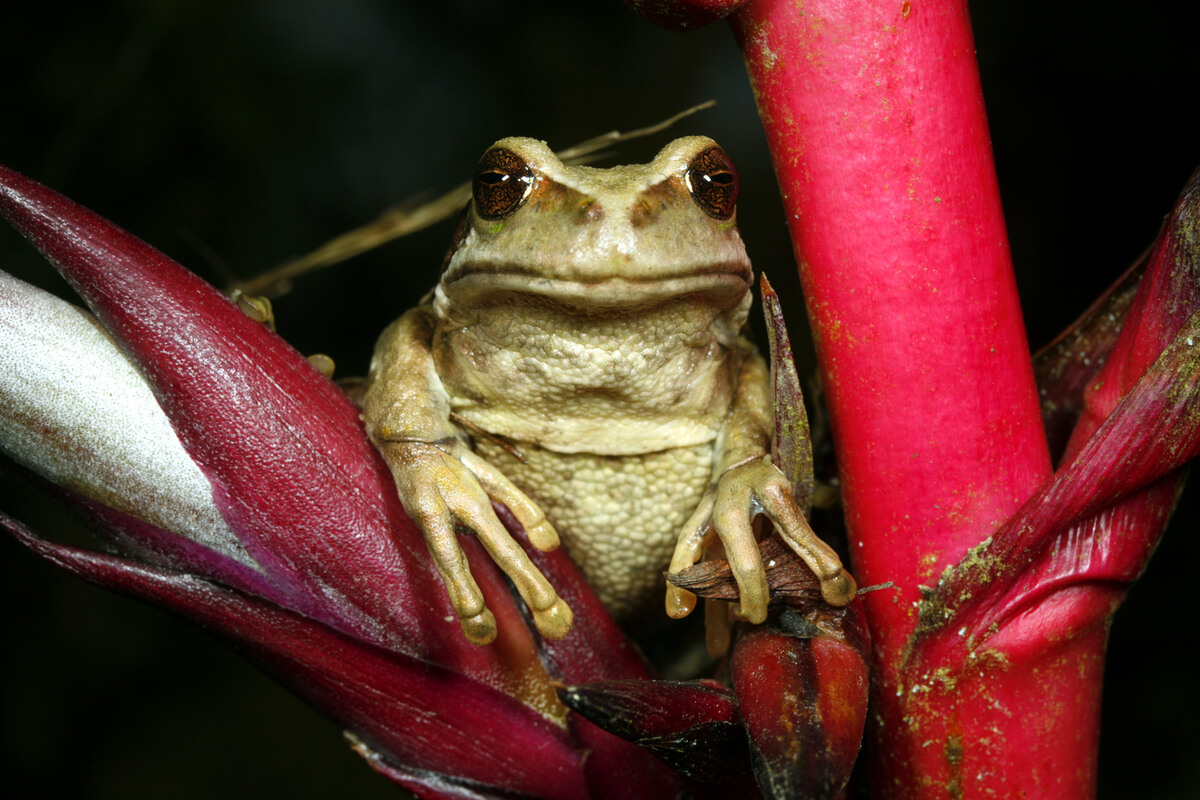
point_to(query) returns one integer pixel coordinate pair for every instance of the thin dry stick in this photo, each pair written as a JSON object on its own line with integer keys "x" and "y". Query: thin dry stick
{"x": 574, "y": 155}
{"x": 409, "y": 218}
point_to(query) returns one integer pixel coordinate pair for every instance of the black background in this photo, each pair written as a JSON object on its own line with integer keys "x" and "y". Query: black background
{"x": 234, "y": 135}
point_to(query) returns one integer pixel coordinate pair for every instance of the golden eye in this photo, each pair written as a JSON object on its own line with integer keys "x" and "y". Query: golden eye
{"x": 713, "y": 181}
{"x": 502, "y": 182}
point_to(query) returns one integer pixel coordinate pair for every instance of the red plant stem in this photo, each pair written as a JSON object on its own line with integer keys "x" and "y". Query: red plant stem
{"x": 877, "y": 126}
{"x": 875, "y": 118}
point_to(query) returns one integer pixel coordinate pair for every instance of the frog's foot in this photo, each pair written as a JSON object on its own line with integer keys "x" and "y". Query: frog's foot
{"x": 255, "y": 307}
{"x": 743, "y": 492}
{"x": 443, "y": 485}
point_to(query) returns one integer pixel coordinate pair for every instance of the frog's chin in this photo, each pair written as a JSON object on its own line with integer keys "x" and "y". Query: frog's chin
{"x": 719, "y": 288}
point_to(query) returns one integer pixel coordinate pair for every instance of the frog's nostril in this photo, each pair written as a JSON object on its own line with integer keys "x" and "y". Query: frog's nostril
{"x": 644, "y": 212}
{"x": 590, "y": 210}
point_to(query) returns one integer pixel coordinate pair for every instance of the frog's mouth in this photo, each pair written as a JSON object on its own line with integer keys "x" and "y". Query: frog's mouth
{"x": 719, "y": 286}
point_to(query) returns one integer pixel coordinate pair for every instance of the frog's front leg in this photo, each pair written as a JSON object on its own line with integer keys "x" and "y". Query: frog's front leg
{"x": 745, "y": 484}
{"x": 444, "y": 485}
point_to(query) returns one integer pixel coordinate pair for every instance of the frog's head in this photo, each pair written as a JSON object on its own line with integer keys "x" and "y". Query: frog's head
{"x": 622, "y": 236}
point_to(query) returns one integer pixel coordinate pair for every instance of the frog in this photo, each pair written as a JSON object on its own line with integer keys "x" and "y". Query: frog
{"x": 583, "y": 361}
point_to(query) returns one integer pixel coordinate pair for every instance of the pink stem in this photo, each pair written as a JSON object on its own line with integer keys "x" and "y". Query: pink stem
{"x": 876, "y": 121}
{"x": 875, "y": 118}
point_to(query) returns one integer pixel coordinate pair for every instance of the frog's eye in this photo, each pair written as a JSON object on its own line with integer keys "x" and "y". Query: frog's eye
{"x": 713, "y": 181}
{"x": 502, "y": 182}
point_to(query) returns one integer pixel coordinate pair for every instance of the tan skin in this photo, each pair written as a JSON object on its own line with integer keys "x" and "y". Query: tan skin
{"x": 582, "y": 362}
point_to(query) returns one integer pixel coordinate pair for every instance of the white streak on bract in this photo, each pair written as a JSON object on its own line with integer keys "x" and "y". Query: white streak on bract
{"x": 76, "y": 411}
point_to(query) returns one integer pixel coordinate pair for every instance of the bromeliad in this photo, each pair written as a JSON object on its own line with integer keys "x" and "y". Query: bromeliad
{"x": 282, "y": 531}
{"x": 251, "y": 502}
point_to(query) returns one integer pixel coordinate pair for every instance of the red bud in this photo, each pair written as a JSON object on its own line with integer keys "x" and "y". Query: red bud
{"x": 802, "y": 690}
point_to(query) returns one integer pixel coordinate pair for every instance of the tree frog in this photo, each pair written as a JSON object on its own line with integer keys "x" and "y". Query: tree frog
{"x": 582, "y": 361}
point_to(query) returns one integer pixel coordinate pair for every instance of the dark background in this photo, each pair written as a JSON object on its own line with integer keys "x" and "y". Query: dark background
{"x": 234, "y": 135}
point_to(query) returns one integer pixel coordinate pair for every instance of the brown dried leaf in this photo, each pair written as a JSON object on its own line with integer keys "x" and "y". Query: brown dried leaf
{"x": 789, "y": 579}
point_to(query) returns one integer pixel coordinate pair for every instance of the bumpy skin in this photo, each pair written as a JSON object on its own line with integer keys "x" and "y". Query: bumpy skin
{"x": 581, "y": 362}
{"x": 619, "y": 515}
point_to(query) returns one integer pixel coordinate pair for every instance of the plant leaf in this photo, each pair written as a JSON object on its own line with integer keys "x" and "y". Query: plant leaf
{"x": 1099, "y": 518}
{"x": 1065, "y": 367}
{"x": 418, "y": 716}
{"x": 291, "y": 469}
{"x": 74, "y": 410}
{"x": 791, "y": 446}
{"x": 694, "y": 726}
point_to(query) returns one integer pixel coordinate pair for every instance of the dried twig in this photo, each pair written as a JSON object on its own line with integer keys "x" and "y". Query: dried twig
{"x": 410, "y": 217}
{"x": 574, "y": 155}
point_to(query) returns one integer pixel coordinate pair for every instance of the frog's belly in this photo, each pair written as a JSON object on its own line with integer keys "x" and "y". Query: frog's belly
{"x": 618, "y": 516}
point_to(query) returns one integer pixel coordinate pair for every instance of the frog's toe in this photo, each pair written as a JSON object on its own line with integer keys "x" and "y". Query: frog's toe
{"x": 732, "y": 520}
{"x": 541, "y": 533}
{"x": 547, "y": 607}
{"x": 680, "y": 602}
{"x": 554, "y": 622}
{"x": 479, "y": 628}
{"x": 478, "y": 623}
{"x": 840, "y": 589}
{"x": 689, "y": 548}
{"x": 753, "y": 594}
{"x": 837, "y": 586}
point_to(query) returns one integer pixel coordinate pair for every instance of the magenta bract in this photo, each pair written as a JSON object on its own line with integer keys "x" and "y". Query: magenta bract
{"x": 1099, "y": 518}
{"x": 695, "y": 726}
{"x": 280, "y": 444}
{"x": 342, "y": 604}
{"x": 424, "y": 718}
